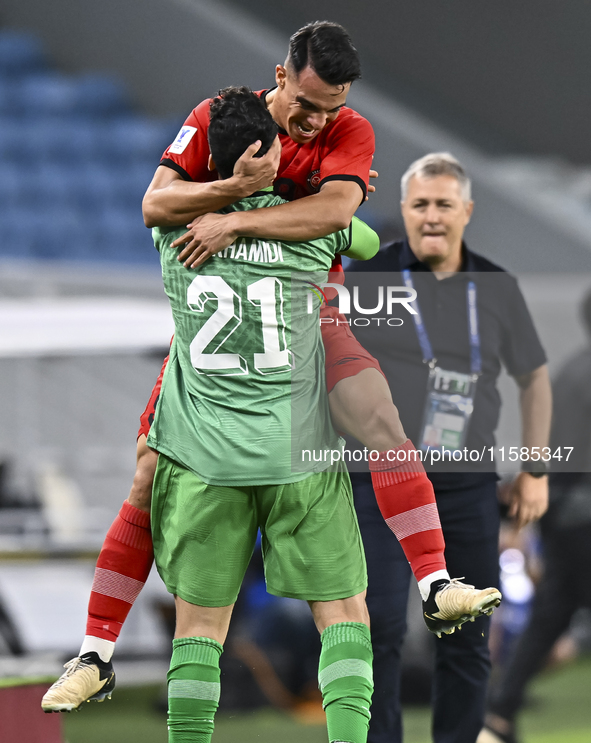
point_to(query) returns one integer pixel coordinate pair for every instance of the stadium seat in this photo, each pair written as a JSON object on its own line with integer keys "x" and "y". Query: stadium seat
{"x": 52, "y": 234}
{"x": 20, "y": 53}
{"x": 8, "y": 97}
{"x": 13, "y": 187}
{"x": 132, "y": 184}
{"x": 11, "y": 138}
{"x": 47, "y": 93}
{"x": 62, "y": 139}
{"x": 75, "y": 161}
{"x": 18, "y": 227}
{"x": 63, "y": 235}
{"x": 101, "y": 95}
{"x": 56, "y": 186}
{"x": 101, "y": 186}
{"x": 101, "y": 183}
{"x": 136, "y": 139}
{"x": 123, "y": 236}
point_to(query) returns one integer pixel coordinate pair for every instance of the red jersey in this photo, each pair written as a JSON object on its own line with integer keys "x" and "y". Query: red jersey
{"x": 342, "y": 151}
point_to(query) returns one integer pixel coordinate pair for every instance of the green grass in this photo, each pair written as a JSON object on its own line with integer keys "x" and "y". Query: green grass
{"x": 129, "y": 717}
{"x": 560, "y": 713}
{"x": 561, "y": 706}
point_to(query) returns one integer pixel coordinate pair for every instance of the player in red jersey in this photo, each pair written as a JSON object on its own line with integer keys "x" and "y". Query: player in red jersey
{"x": 324, "y": 172}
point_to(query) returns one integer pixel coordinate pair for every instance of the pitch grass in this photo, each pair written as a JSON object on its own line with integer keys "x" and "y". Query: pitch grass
{"x": 560, "y": 712}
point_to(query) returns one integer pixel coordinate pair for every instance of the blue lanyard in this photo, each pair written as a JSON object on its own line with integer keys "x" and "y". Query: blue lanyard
{"x": 425, "y": 343}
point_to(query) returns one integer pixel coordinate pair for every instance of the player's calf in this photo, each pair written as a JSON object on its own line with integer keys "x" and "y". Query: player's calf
{"x": 346, "y": 680}
{"x": 406, "y": 500}
{"x": 193, "y": 689}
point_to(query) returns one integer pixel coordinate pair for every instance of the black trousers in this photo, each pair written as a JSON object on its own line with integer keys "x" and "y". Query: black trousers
{"x": 470, "y": 522}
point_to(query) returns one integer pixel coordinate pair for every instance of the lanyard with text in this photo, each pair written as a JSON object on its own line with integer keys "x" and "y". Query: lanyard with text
{"x": 450, "y": 394}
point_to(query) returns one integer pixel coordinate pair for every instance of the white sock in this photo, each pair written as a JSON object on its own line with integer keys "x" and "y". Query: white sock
{"x": 103, "y": 648}
{"x": 425, "y": 583}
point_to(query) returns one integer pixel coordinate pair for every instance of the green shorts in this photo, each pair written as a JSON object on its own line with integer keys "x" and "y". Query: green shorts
{"x": 204, "y": 536}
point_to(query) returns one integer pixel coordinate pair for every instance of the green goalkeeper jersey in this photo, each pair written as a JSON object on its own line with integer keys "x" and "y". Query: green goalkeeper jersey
{"x": 244, "y": 390}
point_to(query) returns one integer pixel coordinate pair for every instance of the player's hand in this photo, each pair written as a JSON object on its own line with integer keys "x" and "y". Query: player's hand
{"x": 207, "y": 235}
{"x": 253, "y": 173}
{"x": 370, "y": 188}
{"x": 528, "y": 498}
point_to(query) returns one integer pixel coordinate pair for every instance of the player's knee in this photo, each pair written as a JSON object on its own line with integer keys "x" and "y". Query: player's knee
{"x": 352, "y": 609}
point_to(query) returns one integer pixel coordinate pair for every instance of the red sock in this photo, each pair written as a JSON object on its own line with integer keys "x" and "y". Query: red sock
{"x": 407, "y": 501}
{"x": 122, "y": 569}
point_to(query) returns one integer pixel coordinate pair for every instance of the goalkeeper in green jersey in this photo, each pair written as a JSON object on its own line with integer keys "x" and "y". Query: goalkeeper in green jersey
{"x": 245, "y": 345}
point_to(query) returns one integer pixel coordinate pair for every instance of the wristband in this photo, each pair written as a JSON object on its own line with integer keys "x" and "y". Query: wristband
{"x": 537, "y": 468}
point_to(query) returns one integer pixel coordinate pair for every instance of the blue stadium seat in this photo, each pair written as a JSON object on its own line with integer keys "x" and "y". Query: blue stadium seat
{"x": 63, "y": 235}
{"x": 56, "y": 186}
{"x": 54, "y": 234}
{"x": 100, "y": 183}
{"x": 124, "y": 237}
{"x": 19, "y": 225}
{"x": 51, "y": 93}
{"x": 20, "y": 53}
{"x": 101, "y": 186}
{"x": 9, "y": 98}
{"x": 62, "y": 139}
{"x": 12, "y": 142}
{"x": 132, "y": 184}
{"x": 101, "y": 95}
{"x": 75, "y": 162}
{"x": 14, "y": 185}
{"x": 136, "y": 139}
{"x": 140, "y": 176}
{"x": 48, "y": 93}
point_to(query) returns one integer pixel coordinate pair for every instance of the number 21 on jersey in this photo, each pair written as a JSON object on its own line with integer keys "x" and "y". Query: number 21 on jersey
{"x": 207, "y": 355}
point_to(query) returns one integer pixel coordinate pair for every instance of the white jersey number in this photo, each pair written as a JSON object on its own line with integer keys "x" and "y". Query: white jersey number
{"x": 267, "y": 294}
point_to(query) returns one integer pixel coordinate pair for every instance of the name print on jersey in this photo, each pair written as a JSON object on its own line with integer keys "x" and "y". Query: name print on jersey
{"x": 254, "y": 251}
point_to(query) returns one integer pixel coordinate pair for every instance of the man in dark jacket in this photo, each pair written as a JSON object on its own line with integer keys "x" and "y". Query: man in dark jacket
{"x": 442, "y": 365}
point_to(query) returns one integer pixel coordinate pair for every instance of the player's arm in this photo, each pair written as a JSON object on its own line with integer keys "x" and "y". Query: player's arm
{"x": 317, "y": 215}
{"x": 364, "y": 242}
{"x": 171, "y": 200}
{"x": 528, "y": 494}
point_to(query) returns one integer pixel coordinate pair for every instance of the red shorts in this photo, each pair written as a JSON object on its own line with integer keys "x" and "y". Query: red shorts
{"x": 147, "y": 417}
{"x": 345, "y": 356}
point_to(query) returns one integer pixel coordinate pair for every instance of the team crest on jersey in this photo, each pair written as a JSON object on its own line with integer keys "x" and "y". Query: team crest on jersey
{"x": 182, "y": 139}
{"x": 314, "y": 180}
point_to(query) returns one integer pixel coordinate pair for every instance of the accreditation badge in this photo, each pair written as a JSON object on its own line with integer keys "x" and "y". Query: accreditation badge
{"x": 448, "y": 409}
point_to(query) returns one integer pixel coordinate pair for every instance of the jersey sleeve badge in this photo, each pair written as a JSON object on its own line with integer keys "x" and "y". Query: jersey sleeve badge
{"x": 182, "y": 139}
{"x": 314, "y": 180}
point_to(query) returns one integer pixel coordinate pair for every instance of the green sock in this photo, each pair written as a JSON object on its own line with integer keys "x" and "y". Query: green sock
{"x": 346, "y": 681}
{"x": 193, "y": 689}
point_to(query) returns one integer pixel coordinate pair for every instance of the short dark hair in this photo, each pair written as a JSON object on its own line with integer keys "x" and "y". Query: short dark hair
{"x": 238, "y": 118}
{"x": 329, "y": 51}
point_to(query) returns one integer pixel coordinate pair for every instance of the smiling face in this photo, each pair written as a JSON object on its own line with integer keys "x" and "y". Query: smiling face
{"x": 304, "y": 104}
{"x": 435, "y": 216}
